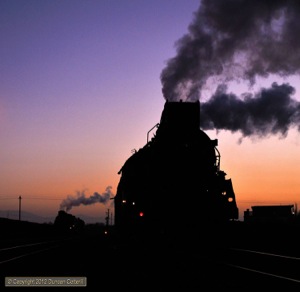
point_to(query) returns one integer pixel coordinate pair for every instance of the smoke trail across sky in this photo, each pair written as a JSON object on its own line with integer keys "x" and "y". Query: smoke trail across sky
{"x": 270, "y": 111}
{"x": 81, "y": 199}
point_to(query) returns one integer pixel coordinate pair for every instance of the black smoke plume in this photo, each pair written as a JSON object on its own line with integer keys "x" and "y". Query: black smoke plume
{"x": 271, "y": 111}
{"x": 234, "y": 39}
{"x": 238, "y": 40}
{"x": 81, "y": 199}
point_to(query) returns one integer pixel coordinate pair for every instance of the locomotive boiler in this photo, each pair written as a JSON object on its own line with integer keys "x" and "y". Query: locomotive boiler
{"x": 174, "y": 182}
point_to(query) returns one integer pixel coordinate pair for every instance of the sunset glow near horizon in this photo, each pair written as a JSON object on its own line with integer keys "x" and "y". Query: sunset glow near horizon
{"x": 80, "y": 89}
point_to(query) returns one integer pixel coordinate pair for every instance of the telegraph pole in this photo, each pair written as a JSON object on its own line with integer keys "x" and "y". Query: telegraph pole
{"x": 113, "y": 218}
{"x": 107, "y": 218}
{"x": 20, "y": 198}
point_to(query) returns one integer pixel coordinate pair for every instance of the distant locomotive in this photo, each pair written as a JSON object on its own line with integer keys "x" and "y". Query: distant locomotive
{"x": 68, "y": 223}
{"x": 175, "y": 180}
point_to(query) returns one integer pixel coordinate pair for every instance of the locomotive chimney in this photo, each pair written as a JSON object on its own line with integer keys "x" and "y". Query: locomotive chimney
{"x": 179, "y": 119}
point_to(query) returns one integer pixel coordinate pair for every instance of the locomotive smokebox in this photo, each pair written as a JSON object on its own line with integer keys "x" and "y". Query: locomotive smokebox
{"x": 175, "y": 180}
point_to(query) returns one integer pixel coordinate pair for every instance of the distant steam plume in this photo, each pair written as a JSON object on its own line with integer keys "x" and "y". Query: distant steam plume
{"x": 239, "y": 40}
{"x": 81, "y": 199}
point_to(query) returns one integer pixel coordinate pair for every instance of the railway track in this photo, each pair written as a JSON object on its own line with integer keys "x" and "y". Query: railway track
{"x": 17, "y": 251}
{"x": 62, "y": 257}
{"x": 253, "y": 269}
{"x": 268, "y": 264}
{"x": 194, "y": 265}
{"x": 158, "y": 265}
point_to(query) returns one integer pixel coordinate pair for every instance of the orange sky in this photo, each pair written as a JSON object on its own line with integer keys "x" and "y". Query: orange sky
{"x": 80, "y": 88}
{"x": 263, "y": 171}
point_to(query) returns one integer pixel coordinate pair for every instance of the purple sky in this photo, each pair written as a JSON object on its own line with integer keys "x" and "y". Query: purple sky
{"x": 79, "y": 89}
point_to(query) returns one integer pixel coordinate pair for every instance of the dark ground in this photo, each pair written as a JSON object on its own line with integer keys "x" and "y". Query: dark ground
{"x": 166, "y": 262}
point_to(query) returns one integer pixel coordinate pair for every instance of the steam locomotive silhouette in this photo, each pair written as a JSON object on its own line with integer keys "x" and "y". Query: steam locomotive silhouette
{"x": 175, "y": 180}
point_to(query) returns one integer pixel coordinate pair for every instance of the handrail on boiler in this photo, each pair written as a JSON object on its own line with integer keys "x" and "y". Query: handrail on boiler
{"x": 155, "y": 126}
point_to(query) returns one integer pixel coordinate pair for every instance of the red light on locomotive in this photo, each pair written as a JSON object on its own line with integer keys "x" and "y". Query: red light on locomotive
{"x": 141, "y": 214}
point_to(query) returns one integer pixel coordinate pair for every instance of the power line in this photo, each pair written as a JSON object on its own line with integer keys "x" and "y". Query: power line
{"x": 14, "y": 197}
